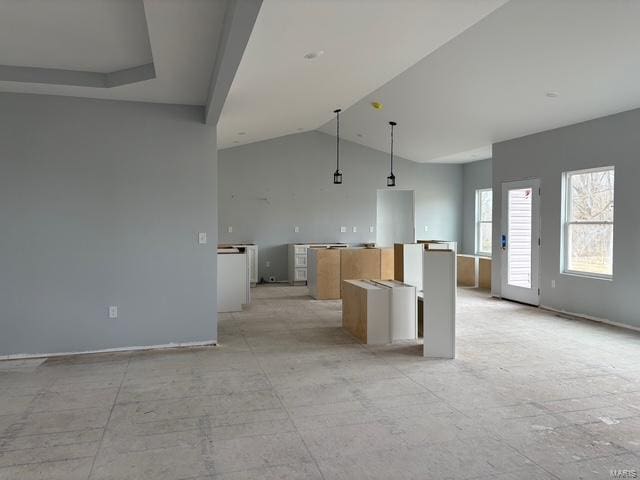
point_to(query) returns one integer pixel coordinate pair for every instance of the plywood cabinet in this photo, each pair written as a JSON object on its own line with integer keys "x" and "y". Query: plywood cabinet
{"x": 298, "y": 260}
{"x": 484, "y": 280}
{"x": 467, "y": 271}
{"x": 408, "y": 263}
{"x": 379, "y": 311}
{"x": 323, "y": 268}
{"x": 327, "y": 268}
{"x": 365, "y": 311}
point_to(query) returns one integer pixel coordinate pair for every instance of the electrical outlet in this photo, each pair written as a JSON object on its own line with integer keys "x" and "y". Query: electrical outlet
{"x": 371, "y": 229}
{"x": 355, "y": 230}
{"x": 202, "y": 238}
{"x": 267, "y": 264}
{"x": 553, "y": 284}
{"x": 113, "y": 311}
{"x": 343, "y": 229}
{"x": 296, "y": 229}
{"x": 426, "y": 228}
{"x": 230, "y": 229}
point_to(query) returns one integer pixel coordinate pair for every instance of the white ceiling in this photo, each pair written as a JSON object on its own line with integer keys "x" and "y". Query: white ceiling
{"x": 489, "y": 84}
{"x": 102, "y": 35}
{"x": 366, "y": 43}
{"x": 88, "y": 35}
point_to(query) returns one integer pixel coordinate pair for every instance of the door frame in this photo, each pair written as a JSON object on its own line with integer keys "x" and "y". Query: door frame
{"x": 531, "y": 295}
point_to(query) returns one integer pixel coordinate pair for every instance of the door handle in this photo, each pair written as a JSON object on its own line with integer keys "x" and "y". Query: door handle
{"x": 504, "y": 242}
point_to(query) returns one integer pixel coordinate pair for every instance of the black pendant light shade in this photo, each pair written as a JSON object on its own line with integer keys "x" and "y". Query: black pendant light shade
{"x": 337, "y": 175}
{"x": 391, "y": 179}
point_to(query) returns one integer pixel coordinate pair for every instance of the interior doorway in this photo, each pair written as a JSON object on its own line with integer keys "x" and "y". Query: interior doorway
{"x": 395, "y": 217}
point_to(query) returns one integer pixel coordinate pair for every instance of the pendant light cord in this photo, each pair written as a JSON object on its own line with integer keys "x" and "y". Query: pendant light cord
{"x": 337, "y": 112}
{"x": 392, "y": 149}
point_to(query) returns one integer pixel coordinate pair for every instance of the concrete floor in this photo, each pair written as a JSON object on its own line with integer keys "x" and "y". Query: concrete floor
{"x": 289, "y": 395}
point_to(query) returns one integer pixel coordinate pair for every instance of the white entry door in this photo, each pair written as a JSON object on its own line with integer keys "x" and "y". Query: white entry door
{"x": 520, "y": 241}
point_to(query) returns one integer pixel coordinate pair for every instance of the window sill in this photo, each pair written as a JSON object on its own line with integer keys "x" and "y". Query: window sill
{"x": 589, "y": 276}
{"x": 483, "y": 254}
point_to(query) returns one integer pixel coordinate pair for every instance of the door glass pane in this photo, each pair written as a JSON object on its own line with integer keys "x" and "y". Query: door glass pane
{"x": 519, "y": 237}
{"x": 590, "y": 248}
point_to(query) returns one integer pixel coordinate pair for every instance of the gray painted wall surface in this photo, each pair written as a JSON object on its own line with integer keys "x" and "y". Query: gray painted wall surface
{"x": 267, "y": 188}
{"x": 476, "y": 175}
{"x": 100, "y": 204}
{"x": 394, "y": 215}
{"x": 612, "y": 140}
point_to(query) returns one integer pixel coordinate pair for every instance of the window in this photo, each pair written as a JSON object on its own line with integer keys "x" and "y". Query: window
{"x": 484, "y": 206}
{"x": 588, "y": 222}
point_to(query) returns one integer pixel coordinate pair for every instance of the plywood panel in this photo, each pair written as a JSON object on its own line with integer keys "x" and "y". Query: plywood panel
{"x": 356, "y": 263}
{"x": 484, "y": 276}
{"x": 354, "y": 311}
{"x": 467, "y": 271}
{"x": 387, "y": 263}
{"x": 398, "y": 262}
{"x": 328, "y": 274}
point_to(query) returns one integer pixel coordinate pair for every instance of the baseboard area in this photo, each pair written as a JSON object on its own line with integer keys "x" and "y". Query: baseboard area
{"x": 20, "y": 356}
{"x": 579, "y": 316}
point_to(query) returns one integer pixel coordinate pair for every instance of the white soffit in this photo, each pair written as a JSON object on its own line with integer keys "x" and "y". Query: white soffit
{"x": 528, "y": 67}
{"x": 180, "y": 37}
{"x": 277, "y": 91}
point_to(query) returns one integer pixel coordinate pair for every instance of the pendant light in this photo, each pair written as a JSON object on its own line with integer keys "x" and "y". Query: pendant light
{"x": 337, "y": 175}
{"x": 391, "y": 179}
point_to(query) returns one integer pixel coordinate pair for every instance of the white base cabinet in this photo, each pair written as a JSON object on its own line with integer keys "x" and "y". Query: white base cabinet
{"x": 252, "y": 258}
{"x": 233, "y": 280}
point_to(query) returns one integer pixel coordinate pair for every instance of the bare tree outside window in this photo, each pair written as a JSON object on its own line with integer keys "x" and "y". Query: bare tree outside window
{"x": 484, "y": 213}
{"x": 588, "y": 234}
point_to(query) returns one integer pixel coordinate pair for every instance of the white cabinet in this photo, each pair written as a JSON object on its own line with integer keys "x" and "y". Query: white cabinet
{"x": 252, "y": 258}
{"x": 298, "y": 260}
{"x": 439, "y": 290}
{"x": 233, "y": 280}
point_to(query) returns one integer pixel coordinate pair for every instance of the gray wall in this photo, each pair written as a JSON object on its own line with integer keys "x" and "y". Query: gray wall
{"x": 612, "y": 140}
{"x": 476, "y": 175}
{"x": 394, "y": 214}
{"x": 100, "y": 204}
{"x": 267, "y": 188}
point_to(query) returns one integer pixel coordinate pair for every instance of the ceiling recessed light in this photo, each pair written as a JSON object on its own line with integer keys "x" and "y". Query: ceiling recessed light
{"x": 312, "y": 55}
{"x": 377, "y": 105}
{"x": 242, "y": 133}
{"x": 236, "y": 141}
{"x": 359, "y": 135}
{"x": 553, "y": 94}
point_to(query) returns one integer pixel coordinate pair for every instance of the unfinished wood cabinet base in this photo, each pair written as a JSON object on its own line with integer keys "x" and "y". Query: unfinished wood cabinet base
{"x": 467, "y": 271}
{"x": 323, "y": 266}
{"x": 484, "y": 275}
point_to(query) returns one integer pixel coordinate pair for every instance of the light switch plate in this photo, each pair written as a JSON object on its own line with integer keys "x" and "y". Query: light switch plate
{"x": 426, "y": 228}
{"x": 343, "y": 229}
{"x": 230, "y": 229}
{"x": 355, "y": 229}
{"x": 296, "y": 229}
{"x": 202, "y": 238}
{"x": 113, "y": 311}
{"x": 371, "y": 229}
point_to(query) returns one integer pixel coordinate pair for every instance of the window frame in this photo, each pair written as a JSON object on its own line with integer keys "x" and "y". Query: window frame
{"x": 479, "y": 221}
{"x": 566, "y": 209}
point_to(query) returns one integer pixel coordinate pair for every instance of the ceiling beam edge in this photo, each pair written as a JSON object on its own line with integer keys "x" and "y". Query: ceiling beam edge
{"x": 240, "y": 16}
